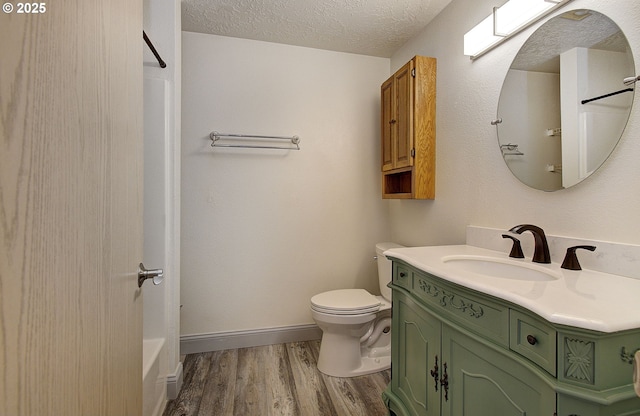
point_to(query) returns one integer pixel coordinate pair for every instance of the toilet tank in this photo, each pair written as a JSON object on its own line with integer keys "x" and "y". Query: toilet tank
{"x": 384, "y": 268}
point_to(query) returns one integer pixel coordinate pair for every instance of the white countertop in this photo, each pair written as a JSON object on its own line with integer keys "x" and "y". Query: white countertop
{"x": 585, "y": 298}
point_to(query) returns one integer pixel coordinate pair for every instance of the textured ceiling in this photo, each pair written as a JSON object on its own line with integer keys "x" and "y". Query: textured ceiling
{"x": 367, "y": 27}
{"x": 576, "y": 28}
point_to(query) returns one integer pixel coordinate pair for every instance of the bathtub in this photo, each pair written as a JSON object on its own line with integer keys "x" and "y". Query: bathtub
{"x": 154, "y": 385}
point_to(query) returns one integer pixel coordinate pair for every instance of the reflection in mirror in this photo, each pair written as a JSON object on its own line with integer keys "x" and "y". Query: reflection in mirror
{"x": 548, "y": 137}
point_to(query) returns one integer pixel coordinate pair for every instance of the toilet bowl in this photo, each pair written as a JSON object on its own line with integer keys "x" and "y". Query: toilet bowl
{"x": 356, "y": 326}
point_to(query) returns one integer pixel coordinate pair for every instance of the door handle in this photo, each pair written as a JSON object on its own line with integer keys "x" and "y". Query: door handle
{"x": 444, "y": 382}
{"x": 435, "y": 374}
{"x": 157, "y": 275}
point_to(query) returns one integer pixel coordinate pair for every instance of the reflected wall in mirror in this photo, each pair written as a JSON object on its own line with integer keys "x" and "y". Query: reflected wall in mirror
{"x": 548, "y": 137}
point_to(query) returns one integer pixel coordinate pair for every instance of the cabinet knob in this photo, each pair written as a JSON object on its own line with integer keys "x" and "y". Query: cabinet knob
{"x": 532, "y": 340}
{"x": 403, "y": 274}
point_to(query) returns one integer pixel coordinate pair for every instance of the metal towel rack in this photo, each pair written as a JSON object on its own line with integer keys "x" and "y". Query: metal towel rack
{"x": 216, "y": 137}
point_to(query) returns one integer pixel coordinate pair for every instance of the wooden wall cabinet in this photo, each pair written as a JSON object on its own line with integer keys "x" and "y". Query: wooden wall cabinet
{"x": 456, "y": 352}
{"x": 408, "y": 126}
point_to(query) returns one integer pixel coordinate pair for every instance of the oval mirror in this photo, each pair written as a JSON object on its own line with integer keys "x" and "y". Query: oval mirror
{"x": 564, "y": 102}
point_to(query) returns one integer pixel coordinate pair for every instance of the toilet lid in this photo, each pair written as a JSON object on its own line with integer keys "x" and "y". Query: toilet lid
{"x": 345, "y": 302}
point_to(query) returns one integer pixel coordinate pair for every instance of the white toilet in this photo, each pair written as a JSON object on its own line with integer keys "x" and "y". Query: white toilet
{"x": 356, "y": 325}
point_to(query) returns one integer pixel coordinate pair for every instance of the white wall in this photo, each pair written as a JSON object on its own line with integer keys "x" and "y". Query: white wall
{"x": 542, "y": 109}
{"x": 264, "y": 230}
{"x": 473, "y": 184}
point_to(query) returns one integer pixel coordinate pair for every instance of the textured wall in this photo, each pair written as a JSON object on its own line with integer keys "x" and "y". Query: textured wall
{"x": 474, "y": 186}
{"x": 264, "y": 230}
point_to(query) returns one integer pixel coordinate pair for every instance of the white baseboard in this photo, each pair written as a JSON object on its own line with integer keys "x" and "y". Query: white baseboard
{"x": 174, "y": 382}
{"x": 190, "y": 344}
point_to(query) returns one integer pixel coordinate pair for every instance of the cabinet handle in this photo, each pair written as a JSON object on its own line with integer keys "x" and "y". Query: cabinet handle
{"x": 444, "y": 381}
{"x": 435, "y": 374}
{"x": 532, "y": 340}
{"x": 403, "y": 274}
{"x": 392, "y": 121}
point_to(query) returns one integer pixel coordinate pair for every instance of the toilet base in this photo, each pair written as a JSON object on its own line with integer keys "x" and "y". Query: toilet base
{"x": 368, "y": 366}
{"x": 343, "y": 356}
{"x": 354, "y": 345}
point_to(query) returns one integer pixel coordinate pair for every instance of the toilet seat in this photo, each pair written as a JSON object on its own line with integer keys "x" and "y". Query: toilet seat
{"x": 345, "y": 302}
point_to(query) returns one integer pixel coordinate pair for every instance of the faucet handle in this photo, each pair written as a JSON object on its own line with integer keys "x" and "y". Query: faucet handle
{"x": 541, "y": 250}
{"x": 516, "y": 248}
{"x": 570, "y": 261}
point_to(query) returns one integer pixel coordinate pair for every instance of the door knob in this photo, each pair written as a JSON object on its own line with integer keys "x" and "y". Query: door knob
{"x": 157, "y": 275}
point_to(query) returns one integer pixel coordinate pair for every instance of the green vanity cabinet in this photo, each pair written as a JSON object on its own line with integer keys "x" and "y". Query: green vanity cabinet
{"x": 439, "y": 370}
{"x": 459, "y": 352}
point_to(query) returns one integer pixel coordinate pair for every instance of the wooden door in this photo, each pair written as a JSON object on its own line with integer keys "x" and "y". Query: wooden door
{"x": 71, "y": 209}
{"x": 404, "y": 116}
{"x": 387, "y": 128}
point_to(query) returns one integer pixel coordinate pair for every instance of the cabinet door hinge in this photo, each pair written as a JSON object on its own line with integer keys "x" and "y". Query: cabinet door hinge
{"x": 413, "y": 72}
{"x": 413, "y": 152}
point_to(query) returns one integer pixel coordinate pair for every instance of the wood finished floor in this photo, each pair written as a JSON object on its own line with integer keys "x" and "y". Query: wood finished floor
{"x": 273, "y": 380}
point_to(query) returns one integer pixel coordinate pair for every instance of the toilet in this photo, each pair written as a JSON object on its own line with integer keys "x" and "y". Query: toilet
{"x": 356, "y": 325}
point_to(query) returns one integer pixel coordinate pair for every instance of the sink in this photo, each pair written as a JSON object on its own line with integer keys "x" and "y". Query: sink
{"x": 501, "y": 268}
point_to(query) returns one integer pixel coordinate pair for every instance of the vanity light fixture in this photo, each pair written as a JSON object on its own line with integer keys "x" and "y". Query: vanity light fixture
{"x": 504, "y": 22}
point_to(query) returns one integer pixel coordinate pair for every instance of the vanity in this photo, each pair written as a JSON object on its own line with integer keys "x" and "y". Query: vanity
{"x": 478, "y": 333}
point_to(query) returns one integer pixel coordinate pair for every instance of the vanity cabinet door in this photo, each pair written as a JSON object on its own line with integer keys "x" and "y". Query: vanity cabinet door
{"x": 484, "y": 381}
{"x": 415, "y": 349}
{"x": 397, "y": 119}
{"x": 403, "y": 80}
{"x": 388, "y": 123}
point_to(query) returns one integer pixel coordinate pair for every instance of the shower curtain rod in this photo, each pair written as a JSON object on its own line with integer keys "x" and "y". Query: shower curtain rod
{"x": 155, "y": 52}
{"x": 606, "y": 95}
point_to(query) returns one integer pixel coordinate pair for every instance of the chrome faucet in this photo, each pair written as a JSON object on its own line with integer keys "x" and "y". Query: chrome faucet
{"x": 541, "y": 251}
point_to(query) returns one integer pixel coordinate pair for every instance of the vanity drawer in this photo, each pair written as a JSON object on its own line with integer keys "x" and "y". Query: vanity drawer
{"x": 534, "y": 339}
{"x": 467, "y": 308}
{"x": 402, "y": 275}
